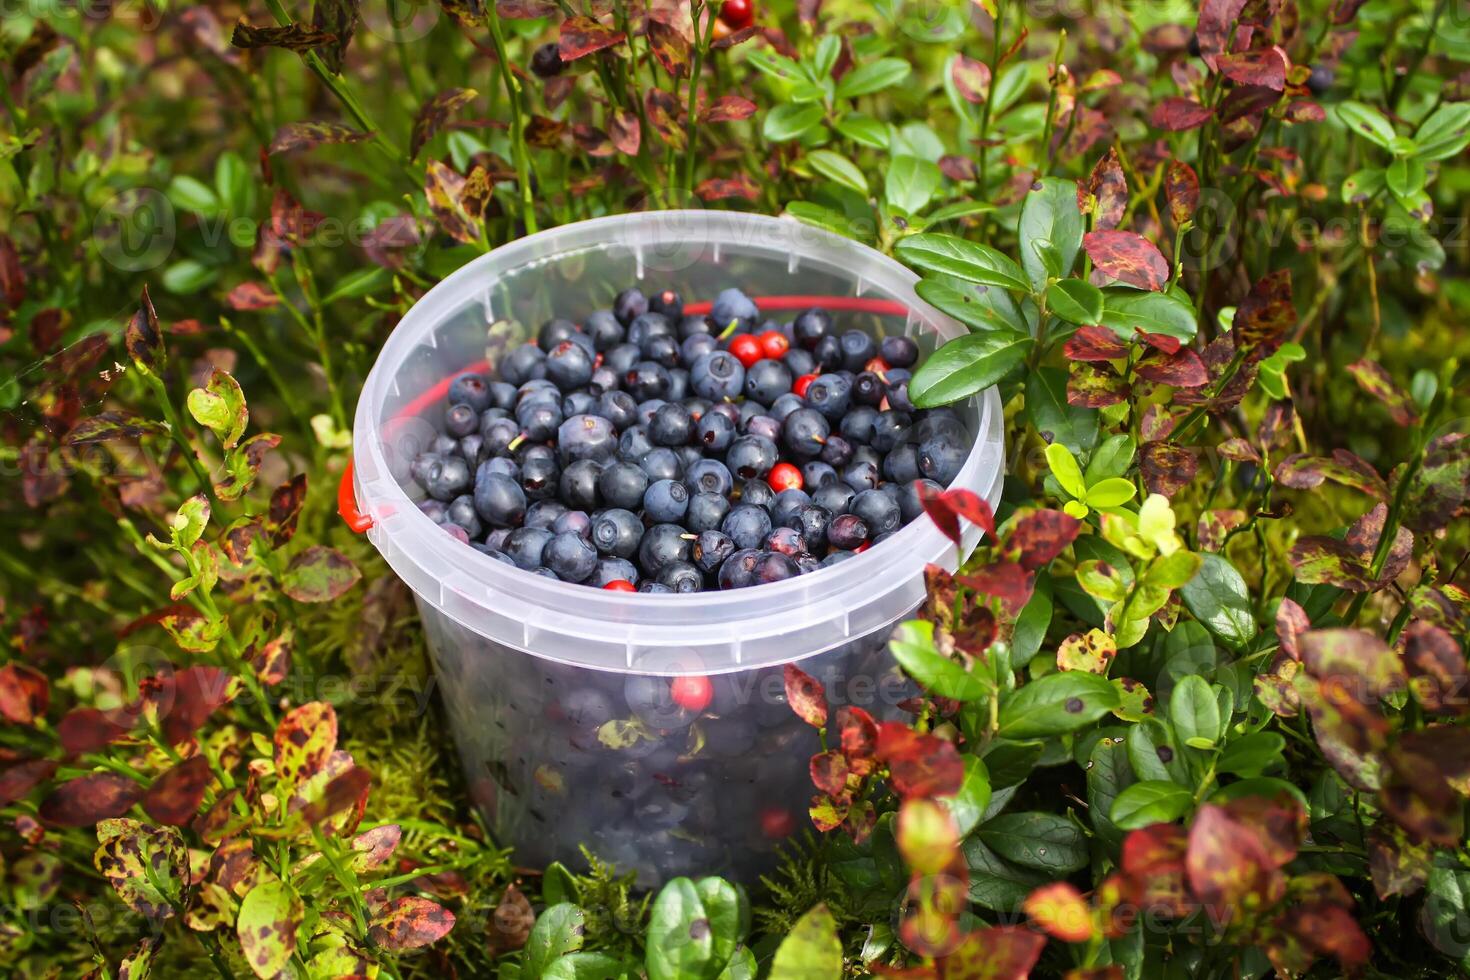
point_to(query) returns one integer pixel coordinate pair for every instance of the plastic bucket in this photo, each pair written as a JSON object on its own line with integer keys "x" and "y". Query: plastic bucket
{"x": 558, "y": 694}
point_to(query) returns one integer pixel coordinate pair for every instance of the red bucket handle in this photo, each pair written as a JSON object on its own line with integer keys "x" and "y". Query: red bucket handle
{"x": 346, "y": 492}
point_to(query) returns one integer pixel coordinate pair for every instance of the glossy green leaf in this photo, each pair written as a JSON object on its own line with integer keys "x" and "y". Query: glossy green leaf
{"x": 962, "y": 259}
{"x": 1046, "y": 841}
{"x": 910, "y": 184}
{"x": 965, "y": 366}
{"x": 873, "y": 77}
{"x": 558, "y": 931}
{"x": 912, "y": 645}
{"x": 1075, "y": 301}
{"x": 1050, "y": 230}
{"x": 969, "y": 804}
{"x": 788, "y": 122}
{"x": 1194, "y": 711}
{"x": 1055, "y": 704}
{"x": 1127, "y": 311}
{"x": 1367, "y": 121}
{"x": 1057, "y": 421}
{"x": 975, "y": 306}
{"x": 1151, "y": 801}
{"x": 1218, "y": 598}
{"x": 863, "y": 129}
{"x": 836, "y": 167}
{"x": 811, "y": 951}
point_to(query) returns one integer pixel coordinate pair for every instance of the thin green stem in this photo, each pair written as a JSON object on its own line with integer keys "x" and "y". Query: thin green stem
{"x": 518, "y": 129}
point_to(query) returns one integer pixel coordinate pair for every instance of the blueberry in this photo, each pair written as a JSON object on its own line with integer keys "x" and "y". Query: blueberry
{"x": 647, "y": 379}
{"x": 812, "y": 521}
{"x": 811, "y": 326}
{"x": 715, "y": 432}
{"x": 857, "y": 350}
{"x": 419, "y": 467}
{"x": 634, "y": 442}
{"x": 767, "y": 380}
{"x": 718, "y": 376}
{"x": 857, "y": 426}
{"x": 940, "y": 460}
{"x": 830, "y": 394}
{"x": 622, "y": 358}
{"x": 817, "y": 474}
{"x": 499, "y": 500}
{"x": 655, "y": 587}
{"x": 709, "y": 476}
{"x": 661, "y": 350}
{"x": 604, "y": 379}
{"x": 828, "y": 353}
{"x": 662, "y": 544}
{"x": 787, "y": 505}
{"x": 579, "y": 484}
{"x": 837, "y": 557}
{"x": 738, "y": 571}
{"x": 775, "y": 567}
{"x": 586, "y": 708}
{"x": 523, "y": 363}
{"x": 837, "y": 451}
{"x": 1321, "y": 79}
{"x": 435, "y": 510}
{"x": 472, "y": 390}
{"x": 747, "y": 525}
{"x": 662, "y": 463}
{"x": 570, "y": 557}
{"x": 526, "y": 545}
{"x": 544, "y": 513}
{"x": 623, "y": 485}
{"x": 681, "y": 576}
{"x": 729, "y": 411}
{"x": 618, "y": 407}
{"x": 878, "y": 510}
{"x": 472, "y": 448}
{"x": 889, "y": 429}
{"x": 861, "y": 475}
{"x": 502, "y": 395}
{"x": 499, "y": 556}
{"x": 553, "y": 332}
{"x": 461, "y": 511}
{"x": 868, "y": 389}
{"x": 908, "y": 498}
{"x": 899, "y": 352}
{"x": 667, "y": 303}
{"x": 538, "y": 419}
{"x": 764, "y": 426}
{"x": 751, "y": 457}
{"x": 787, "y": 540}
{"x": 688, "y": 456}
{"x": 847, "y": 531}
{"x": 711, "y": 548}
{"x": 575, "y": 522}
{"x": 757, "y": 493}
{"x": 804, "y": 432}
{"x": 666, "y": 502}
{"x": 940, "y": 422}
{"x": 749, "y": 409}
{"x": 696, "y": 346}
{"x": 706, "y": 511}
{"x": 539, "y": 474}
{"x": 732, "y": 308}
{"x": 799, "y": 361}
{"x": 444, "y": 445}
{"x": 604, "y": 330}
{"x": 835, "y": 497}
{"x": 902, "y": 464}
{"x": 497, "y": 436}
{"x": 613, "y": 570}
{"x": 447, "y": 477}
{"x": 617, "y": 532}
{"x": 586, "y": 437}
{"x": 648, "y": 325}
{"x": 455, "y": 531}
{"x": 671, "y": 426}
{"x": 629, "y": 304}
{"x": 678, "y": 384}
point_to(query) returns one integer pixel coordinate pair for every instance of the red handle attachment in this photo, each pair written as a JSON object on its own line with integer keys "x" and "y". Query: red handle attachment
{"x": 346, "y": 494}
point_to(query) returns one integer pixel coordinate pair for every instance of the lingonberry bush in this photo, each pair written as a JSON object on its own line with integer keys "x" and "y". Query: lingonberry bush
{"x": 1196, "y": 706}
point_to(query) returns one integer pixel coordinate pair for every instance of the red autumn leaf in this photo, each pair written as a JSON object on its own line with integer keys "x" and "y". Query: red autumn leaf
{"x": 1095, "y": 385}
{"x": 1177, "y": 114}
{"x": 1215, "y": 26}
{"x": 347, "y": 789}
{"x": 1227, "y": 864}
{"x": 89, "y": 729}
{"x": 734, "y": 38}
{"x": 1166, "y": 468}
{"x": 1183, "y": 369}
{"x": 1154, "y": 850}
{"x": 85, "y": 800}
{"x": 663, "y": 111}
{"x": 251, "y": 296}
{"x": 1437, "y": 668}
{"x": 1060, "y": 911}
{"x": 25, "y": 694}
{"x": 957, "y": 168}
{"x": 592, "y": 141}
{"x": 1110, "y": 189}
{"x": 306, "y": 135}
{"x": 434, "y": 114}
{"x": 372, "y": 848}
{"x": 625, "y": 132}
{"x": 996, "y": 953}
{"x": 944, "y": 518}
{"x": 971, "y": 78}
{"x": 1329, "y": 930}
{"x": 1004, "y": 580}
{"x": 669, "y": 46}
{"x": 1038, "y": 536}
{"x": 919, "y": 765}
{"x": 829, "y": 772}
{"x": 805, "y": 695}
{"x": 1127, "y": 257}
{"x": 175, "y": 796}
{"x": 1093, "y": 343}
{"x": 196, "y": 693}
{"x": 409, "y": 922}
{"x": 723, "y": 189}
{"x": 728, "y": 108}
{"x": 18, "y": 780}
{"x": 1266, "y": 313}
{"x": 1303, "y": 111}
{"x": 1158, "y": 341}
{"x": 1265, "y": 67}
{"x": 581, "y": 36}
{"x": 1181, "y": 188}
{"x": 857, "y": 732}
{"x": 1375, "y": 382}
{"x": 1291, "y": 623}
{"x": 972, "y": 507}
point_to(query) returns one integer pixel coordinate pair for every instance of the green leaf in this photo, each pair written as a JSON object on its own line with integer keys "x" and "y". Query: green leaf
{"x": 1367, "y": 121}
{"x": 1108, "y": 774}
{"x": 189, "y": 194}
{"x": 319, "y": 574}
{"x": 187, "y": 277}
{"x": 811, "y": 951}
{"x": 269, "y": 915}
{"x": 1252, "y": 754}
{"x": 776, "y": 66}
{"x": 1445, "y": 133}
{"x": 1172, "y": 571}
{"x": 220, "y": 407}
{"x": 789, "y": 122}
{"x": 968, "y": 805}
{"x": 584, "y": 966}
{"x": 1065, "y": 469}
{"x": 1049, "y": 413}
{"x": 1050, "y": 223}
{"x": 234, "y": 184}
{"x": 1113, "y": 458}
{"x": 1362, "y": 185}
{"x": 558, "y": 931}
{"x": 1032, "y": 623}
{"x": 1194, "y": 712}
{"x": 742, "y": 966}
{"x": 1046, "y": 841}
{"x": 1151, "y": 801}
{"x": 911, "y": 184}
{"x": 1127, "y": 311}
{"x": 995, "y": 883}
{"x": 1055, "y": 704}
{"x": 873, "y": 77}
{"x": 1152, "y": 753}
{"x": 680, "y": 939}
{"x": 1217, "y": 597}
{"x": 728, "y": 915}
{"x": 1075, "y": 301}
{"x": 981, "y": 308}
{"x": 864, "y": 130}
{"x": 836, "y": 167}
{"x": 962, "y": 259}
{"x": 821, "y": 217}
{"x": 959, "y": 209}
{"x": 966, "y": 365}
{"x": 912, "y": 646}
{"x": 824, "y": 58}
{"x": 1113, "y": 491}
{"x": 1405, "y": 177}
{"x": 359, "y": 283}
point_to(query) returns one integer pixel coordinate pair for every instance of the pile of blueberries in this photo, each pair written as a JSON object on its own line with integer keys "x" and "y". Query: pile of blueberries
{"x": 655, "y": 451}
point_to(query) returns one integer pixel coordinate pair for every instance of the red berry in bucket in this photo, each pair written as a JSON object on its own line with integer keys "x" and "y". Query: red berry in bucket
{"x": 784, "y": 476}
{"x": 777, "y": 822}
{"x": 693, "y": 693}
{"x": 747, "y": 349}
{"x": 620, "y": 585}
{"x": 802, "y": 384}
{"x": 773, "y": 344}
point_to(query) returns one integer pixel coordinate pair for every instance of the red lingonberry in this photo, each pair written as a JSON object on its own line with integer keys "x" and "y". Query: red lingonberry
{"x": 693, "y": 693}
{"x": 777, "y": 822}
{"x": 773, "y": 344}
{"x": 620, "y": 585}
{"x": 802, "y": 384}
{"x": 878, "y": 366}
{"x": 746, "y": 348}
{"x": 738, "y": 13}
{"x": 784, "y": 476}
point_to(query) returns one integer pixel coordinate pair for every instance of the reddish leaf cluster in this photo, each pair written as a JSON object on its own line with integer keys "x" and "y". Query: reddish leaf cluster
{"x": 1096, "y": 379}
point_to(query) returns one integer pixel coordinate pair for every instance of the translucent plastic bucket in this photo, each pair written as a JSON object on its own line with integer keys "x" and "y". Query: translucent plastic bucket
{"x": 533, "y": 670}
